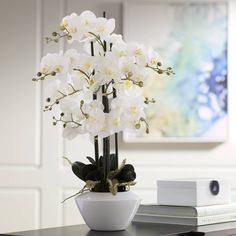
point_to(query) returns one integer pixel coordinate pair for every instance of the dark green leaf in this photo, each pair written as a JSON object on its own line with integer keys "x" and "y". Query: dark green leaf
{"x": 87, "y": 169}
{"x": 91, "y": 160}
{"x": 77, "y": 169}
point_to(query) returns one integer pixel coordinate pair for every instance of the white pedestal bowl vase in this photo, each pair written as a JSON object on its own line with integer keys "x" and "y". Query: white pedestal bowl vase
{"x": 105, "y": 212}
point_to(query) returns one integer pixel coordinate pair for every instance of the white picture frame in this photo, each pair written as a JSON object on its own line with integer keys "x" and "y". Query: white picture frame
{"x": 147, "y": 8}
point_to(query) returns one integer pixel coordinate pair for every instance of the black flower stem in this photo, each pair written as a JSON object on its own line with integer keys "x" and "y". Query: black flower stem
{"x": 116, "y": 134}
{"x": 106, "y": 141}
{"x": 116, "y": 139}
{"x": 96, "y": 148}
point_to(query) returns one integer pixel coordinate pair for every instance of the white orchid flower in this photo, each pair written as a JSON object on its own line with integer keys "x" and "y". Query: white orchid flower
{"x": 105, "y": 131}
{"x": 127, "y": 65}
{"x": 55, "y": 90}
{"x": 95, "y": 104}
{"x": 127, "y": 88}
{"x": 134, "y": 108}
{"x": 107, "y": 68}
{"x": 103, "y": 27}
{"x": 153, "y": 58}
{"x": 88, "y": 19}
{"x": 119, "y": 48}
{"x": 71, "y": 131}
{"x": 73, "y": 57}
{"x": 95, "y": 120}
{"x": 74, "y": 26}
{"x": 139, "y": 51}
{"x": 141, "y": 74}
{"x": 114, "y": 121}
{"x": 114, "y": 39}
{"x": 54, "y": 63}
{"x": 79, "y": 81}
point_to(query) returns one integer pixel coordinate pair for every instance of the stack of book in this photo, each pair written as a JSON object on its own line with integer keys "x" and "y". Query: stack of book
{"x": 186, "y": 215}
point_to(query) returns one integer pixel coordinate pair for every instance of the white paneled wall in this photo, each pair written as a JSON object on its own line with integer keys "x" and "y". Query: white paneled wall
{"x": 33, "y": 178}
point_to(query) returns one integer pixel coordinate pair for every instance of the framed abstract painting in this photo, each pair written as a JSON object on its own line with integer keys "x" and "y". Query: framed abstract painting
{"x": 192, "y": 37}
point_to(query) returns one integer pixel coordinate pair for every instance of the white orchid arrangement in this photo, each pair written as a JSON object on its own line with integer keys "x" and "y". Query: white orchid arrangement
{"x": 99, "y": 89}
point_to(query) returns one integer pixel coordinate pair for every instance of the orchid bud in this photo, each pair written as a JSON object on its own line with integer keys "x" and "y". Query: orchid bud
{"x": 62, "y": 27}
{"x": 130, "y": 74}
{"x": 140, "y": 83}
{"x": 39, "y": 74}
{"x": 69, "y": 37}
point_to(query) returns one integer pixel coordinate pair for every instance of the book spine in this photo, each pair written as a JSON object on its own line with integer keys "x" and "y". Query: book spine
{"x": 142, "y": 218}
{"x": 215, "y": 210}
{"x": 205, "y": 220}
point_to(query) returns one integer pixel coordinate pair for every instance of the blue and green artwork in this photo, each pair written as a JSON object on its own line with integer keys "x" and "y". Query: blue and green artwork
{"x": 192, "y": 104}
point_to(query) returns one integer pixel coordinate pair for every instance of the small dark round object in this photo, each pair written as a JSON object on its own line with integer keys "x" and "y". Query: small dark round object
{"x": 214, "y": 187}
{"x": 39, "y": 74}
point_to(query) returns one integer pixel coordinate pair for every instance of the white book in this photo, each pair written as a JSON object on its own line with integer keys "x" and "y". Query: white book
{"x": 187, "y": 210}
{"x": 193, "y": 221}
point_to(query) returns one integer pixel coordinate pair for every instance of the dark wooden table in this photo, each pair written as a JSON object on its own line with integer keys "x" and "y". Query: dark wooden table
{"x": 137, "y": 229}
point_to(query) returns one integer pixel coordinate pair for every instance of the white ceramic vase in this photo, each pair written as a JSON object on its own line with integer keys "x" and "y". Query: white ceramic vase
{"x": 105, "y": 212}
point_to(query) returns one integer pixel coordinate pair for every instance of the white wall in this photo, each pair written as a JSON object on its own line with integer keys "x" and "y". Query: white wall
{"x": 33, "y": 179}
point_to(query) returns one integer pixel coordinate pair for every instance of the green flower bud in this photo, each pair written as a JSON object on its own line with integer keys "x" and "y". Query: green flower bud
{"x": 159, "y": 64}
{"x": 34, "y": 79}
{"x": 62, "y": 114}
{"x": 64, "y": 125}
{"x": 147, "y": 131}
{"x": 137, "y": 126}
{"x": 57, "y": 102}
{"x": 62, "y": 27}
{"x": 48, "y": 99}
{"x": 54, "y": 34}
{"x": 53, "y": 73}
{"x": 130, "y": 74}
{"x": 82, "y": 102}
{"x": 69, "y": 37}
{"x": 160, "y": 72}
{"x": 54, "y": 123}
{"x": 39, "y": 74}
{"x": 140, "y": 83}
